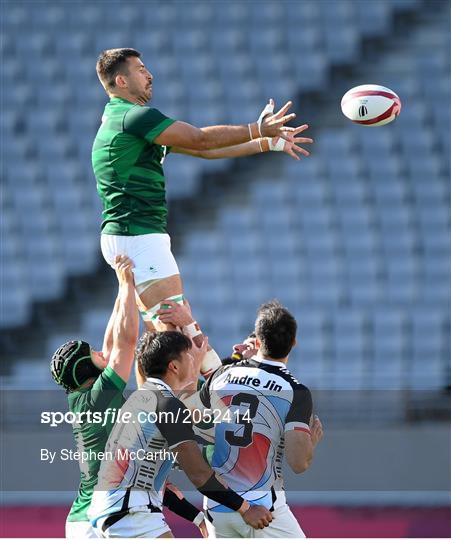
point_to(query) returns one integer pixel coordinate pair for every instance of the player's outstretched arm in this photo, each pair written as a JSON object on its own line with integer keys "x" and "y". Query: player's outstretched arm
{"x": 108, "y": 336}
{"x": 289, "y": 145}
{"x": 126, "y": 323}
{"x": 184, "y": 135}
{"x": 203, "y": 477}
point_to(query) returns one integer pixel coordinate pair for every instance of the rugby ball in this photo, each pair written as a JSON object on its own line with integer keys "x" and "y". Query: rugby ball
{"x": 371, "y": 105}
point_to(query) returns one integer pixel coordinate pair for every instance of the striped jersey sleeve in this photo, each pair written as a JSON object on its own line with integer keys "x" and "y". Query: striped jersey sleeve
{"x": 300, "y": 411}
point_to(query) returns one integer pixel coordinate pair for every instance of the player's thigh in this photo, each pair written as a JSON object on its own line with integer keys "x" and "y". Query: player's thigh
{"x": 161, "y": 290}
{"x": 151, "y": 255}
{"x": 139, "y": 525}
{"x": 283, "y": 525}
{"x": 229, "y": 525}
{"x": 76, "y": 530}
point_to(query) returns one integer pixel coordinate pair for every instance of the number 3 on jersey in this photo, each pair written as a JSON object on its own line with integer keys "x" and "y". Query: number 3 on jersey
{"x": 242, "y": 400}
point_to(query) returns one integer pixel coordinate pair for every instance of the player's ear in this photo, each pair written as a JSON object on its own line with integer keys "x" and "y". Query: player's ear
{"x": 173, "y": 366}
{"x": 257, "y": 343}
{"x": 120, "y": 81}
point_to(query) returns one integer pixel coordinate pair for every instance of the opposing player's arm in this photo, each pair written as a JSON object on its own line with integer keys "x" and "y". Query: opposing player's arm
{"x": 181, "y": 440}
{"x": 184, "y": 135}
{"x": 298, "y": 441}
{"x": 126, "y": 322}
{"x": 298, "y": 450}
{"x": 176, "y": 502}
{"x": 203, "y": 477}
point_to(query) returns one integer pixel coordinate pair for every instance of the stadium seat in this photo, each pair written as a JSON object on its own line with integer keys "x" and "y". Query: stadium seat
{"x": 356, "y": 238}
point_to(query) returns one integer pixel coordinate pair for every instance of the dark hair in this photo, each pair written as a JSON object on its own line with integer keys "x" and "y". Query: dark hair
{"x": 275, "y": 328}
{"x": 157, "y": 349}
{"x": 112, "y": 62}
{"x": 71, "y": 365}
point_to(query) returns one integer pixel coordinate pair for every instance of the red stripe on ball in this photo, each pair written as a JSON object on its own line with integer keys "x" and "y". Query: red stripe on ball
{"x": 363, "y": 93}
{"x": 379, "y": 118}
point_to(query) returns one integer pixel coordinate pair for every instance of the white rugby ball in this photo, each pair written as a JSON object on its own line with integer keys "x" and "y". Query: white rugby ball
{"x": 371, "y": 105}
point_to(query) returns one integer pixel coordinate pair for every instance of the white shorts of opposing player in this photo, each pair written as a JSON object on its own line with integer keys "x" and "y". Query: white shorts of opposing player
{"x": 143, "y": 524}
{"x": 75, "y": 530}
{"x": 151, "y": 254}
{"x": 232, "y": 525}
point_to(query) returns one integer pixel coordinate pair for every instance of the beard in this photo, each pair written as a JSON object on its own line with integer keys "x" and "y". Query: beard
{"x": 142, "y": 96}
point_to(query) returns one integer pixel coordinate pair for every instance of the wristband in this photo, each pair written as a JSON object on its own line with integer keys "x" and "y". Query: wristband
{"x": 193, "y": 329}
{"x": 213, "y": 489}
{"x": 181, "y": 507}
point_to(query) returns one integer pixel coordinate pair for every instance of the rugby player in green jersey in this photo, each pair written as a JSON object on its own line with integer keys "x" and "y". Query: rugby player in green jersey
{"x": 95, "y": 381}
{"x": 128, "y": 154}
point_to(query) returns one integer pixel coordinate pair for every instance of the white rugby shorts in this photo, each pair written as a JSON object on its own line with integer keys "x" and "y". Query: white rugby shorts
{"x": 232, "y": 525}
{"x": 150, "y": 253}
{"x": 76, "y": 530}
{"x": 135, "y": 525}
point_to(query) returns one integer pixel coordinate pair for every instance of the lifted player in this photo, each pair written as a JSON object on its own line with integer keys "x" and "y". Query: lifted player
{"x": 128, "y": 154}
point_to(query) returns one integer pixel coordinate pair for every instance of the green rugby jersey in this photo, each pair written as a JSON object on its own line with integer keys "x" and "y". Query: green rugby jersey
{"x": 128, "y": 167}
{"x": 104, "y": 393}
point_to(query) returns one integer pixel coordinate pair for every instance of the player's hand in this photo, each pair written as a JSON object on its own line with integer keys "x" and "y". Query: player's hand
{"x": 188, "y": 307}
{"x": 273, "y": 125}
{"x": 199, "y": 351}
{"x": 289, "y": 143}
{"x": 257, "y": 517}
{"x": 316, "y": 430}
{"x": 203, "y": 529}
{"x": 172, "y": 313}
{"x": 124, "y": 269}
{"x": 247, "y": 349}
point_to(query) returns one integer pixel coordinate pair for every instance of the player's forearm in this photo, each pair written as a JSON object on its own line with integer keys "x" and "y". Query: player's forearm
{"x": 214, "y": 137}
{"x": 108, "y": 337}
{"x": 126, "y": 325}
{"x": 249, "y": 148}
{"x": 240, "y": 150}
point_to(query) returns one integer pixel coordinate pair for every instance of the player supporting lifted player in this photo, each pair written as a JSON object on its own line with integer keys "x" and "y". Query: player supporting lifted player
{"x": 127, "y": 501}
{"x": 271, "y": 415}
{"x": 128, "y": 154}
{"x": 94, "y": 382}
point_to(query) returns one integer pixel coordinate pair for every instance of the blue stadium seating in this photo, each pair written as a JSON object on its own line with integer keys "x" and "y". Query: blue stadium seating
{"x": 356, "y": 239}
